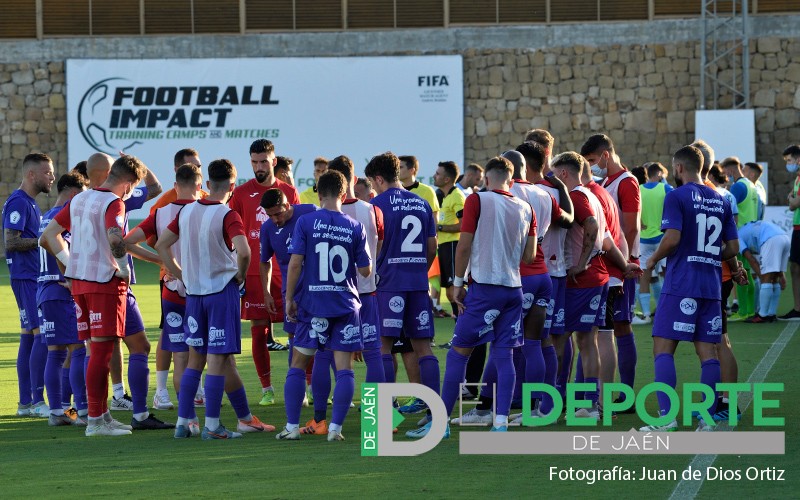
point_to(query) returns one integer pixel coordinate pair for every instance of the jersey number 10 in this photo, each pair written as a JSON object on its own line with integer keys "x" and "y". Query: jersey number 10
{"x": 327, "y": 254}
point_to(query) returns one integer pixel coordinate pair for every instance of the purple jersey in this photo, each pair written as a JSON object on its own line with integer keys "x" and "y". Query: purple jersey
{"x": 21, "y": 213}
{"x": 705, "y": 221}
{"x": 334, "y": 245}
{"x": 276, "y": 240}
{"x": 408, "y": 223}
{"x": 49, "y": 274}
{"x": 135, "y": 202}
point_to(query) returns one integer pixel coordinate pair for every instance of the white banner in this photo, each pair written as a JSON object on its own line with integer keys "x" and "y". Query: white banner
{"x": 357, "y": 106}
{"x": 780, "y": 216}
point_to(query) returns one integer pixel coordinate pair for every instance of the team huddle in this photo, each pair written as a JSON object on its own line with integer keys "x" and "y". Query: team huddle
{"x": 539, "y": 256}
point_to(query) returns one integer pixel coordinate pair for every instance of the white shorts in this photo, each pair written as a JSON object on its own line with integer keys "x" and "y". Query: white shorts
{"x": 646, "y": 250}
{"x": 775, "y": 254}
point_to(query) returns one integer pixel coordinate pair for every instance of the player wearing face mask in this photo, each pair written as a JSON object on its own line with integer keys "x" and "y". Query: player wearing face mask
{"x": 792, "y": 157}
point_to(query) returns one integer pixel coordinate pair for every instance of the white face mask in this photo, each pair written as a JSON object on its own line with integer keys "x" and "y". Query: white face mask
{"x": 791, "y": 167}
{"x": 599, "y": 172}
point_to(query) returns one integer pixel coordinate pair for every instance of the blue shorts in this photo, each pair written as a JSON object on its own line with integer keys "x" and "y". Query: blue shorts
{"x": 409, "y": 312}
{"x": 341, "y": 333}
{"x": 173, "y": 330}
{"x": 370, "y": 327}
{"x": 536, "y": 289}
{"x": 58, "y": 322}
{"x": 600, "y": 320}
{"x": 211, "y": 325}
{"x": 492, "y": 313}
{"x": 25, "y": 293}
{"x": 688, "y": 319}
{"x": 133, "y": 316}
{"x": 555, "y": 309}
{"x": 624, "y": 303}
{"x": 582, "y": 308}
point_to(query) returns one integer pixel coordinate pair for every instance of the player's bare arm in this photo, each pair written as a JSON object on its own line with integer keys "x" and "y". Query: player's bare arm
{"x": 242, "y": 257}
{"x": 450, "y": 228}
{"x": 463, "y": 251}
{"x": 293, "y": 271}
{"x": 265, "y": 274}
{"x": 16, "y": 243}
{"x": 52, "y": 241}
{"x": 631, "y": 226}
{"x": 365, "y": 271}
{"x": 119, "y": 251}
{"x": 567, "y": 212}
{"x": 670, "y": 241}
{"x": 529, "y": 252}
{"x": 619, "y": 258}
{"x": 754, "y": 265}
{"x": 132, "y": 242}
{"x": 165, "y": 241}
{"x": 153, "y": 186}
{"x": 431, "y": 250}
{"x": 590, "y": 228}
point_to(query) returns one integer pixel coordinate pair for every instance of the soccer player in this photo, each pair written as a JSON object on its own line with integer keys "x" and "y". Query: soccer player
{"x": 363, "y": 189}
{"x": 310, "y": 195}
{"x": 246, "y": 202}
{"x": 409, "y": 247}
{"x": 699, "y": 233}
{"x": 213, "y": 270}
{"x": 188, "y": 181}
{"x": 409, "y": 170}
{"x": 537, "y": 155}
{"x": 449, "y": 226}
{"x": 58, "y": 322}
{"x": 328, "y": 246}
{"x": 747, "y": 199}
{"x": 182, "y": 157}
{"x": 652, "y": 194}
{"x": 624, "y": 190}
{"x": 792, "y": 157}
{"x": 498, "y": 232}
{"x": 283, "y": 169}
{"x": 472, "y": 179}
{"x": 21, "y": 218}
{"x": 753, "y": 171}
{"x": 97, "y": 263}
{"x": 276, "y": 235}
{"x": 771, "y": 244}
{"x": 98, "y": 167}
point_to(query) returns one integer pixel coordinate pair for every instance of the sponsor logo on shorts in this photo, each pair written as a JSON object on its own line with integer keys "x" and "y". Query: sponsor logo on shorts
{"x": 192, "y": 325}
{"x": 560, "y": 316}
{"x": 194, "y": 342}
{"x": 716, "y": 325}
{"x": 679, "y": 326}
{"x": 215, "y": 334}
{"x": 78, "y": 311}
{"x": 490, "y": 315}
{"x": 424, "y": 318}
{"x": 368, "y": 330}
{"x": 393, "y": 323}
{"x": 397, "y": 303}
{"x": 176, "y": 338}
{"x": 527, "y": 301}
{"x": 517, "y": 329}
{"x": 174, "y": 319}
{"x": 95, "y": 317}
{"x": 551, "y": 306}
{"x": 83, "y": 326}
{"x": 588, "y": 318}
{"x": 350, "y": 331}
{"x": 688, "y": 306}
{"x": 595, "y": 303}
{"x": 548, "y": 323}
{"x": 14, "y": 217}
{"x": 47, "y": 326}
{"x": 254, "y": 305}
{"x": 542, "y": 303}
{"x": 23, "y": 316}
{"x": 39, "y": 311}
{"x": 483, "y": 331}
{"x": 319, "y": 324}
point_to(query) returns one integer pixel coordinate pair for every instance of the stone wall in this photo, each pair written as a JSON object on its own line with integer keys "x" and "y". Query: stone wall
{"x": 638, "y": 82}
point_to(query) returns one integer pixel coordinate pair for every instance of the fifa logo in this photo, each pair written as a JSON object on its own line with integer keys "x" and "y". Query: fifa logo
{"x": 432, "y": 81}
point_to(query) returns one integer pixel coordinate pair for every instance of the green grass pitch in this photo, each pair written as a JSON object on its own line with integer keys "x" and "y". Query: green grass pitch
{"x": 40, "y": 461}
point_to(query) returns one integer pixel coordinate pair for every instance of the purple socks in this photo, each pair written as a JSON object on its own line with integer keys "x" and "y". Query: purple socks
{"x": 37, "y": 362}
{"x": 24, "y": 368}
{"x": 374, "y": 362}
{"x": 52, "y": 377}
{"x": 388, "y": 367}
{"x": 534, "y": 363}
{"x": 190, "y": 381}
{"x": 454, "y": 373}
{"x": 215, "y": 387}
{"x": 293, "y": 392}
{"x": 342, "y": 395}
{"x": 66, "y": 388}
{"x": 77, "y": 378}
{"x": 665, "y": 373}
{"x": 520, "y": 366}
{"x": 564, "y": 369}
{"x": 238, "y": 399}
{"x": 505, "y": 378}
{"x": 321, "y": 383}
{"x": 626, "y": 358}
{"x": 550, "y": 370}
{"x": 710, "y": 376}
{"x": 138, "y": 380}
{"x": 429, "y": 372}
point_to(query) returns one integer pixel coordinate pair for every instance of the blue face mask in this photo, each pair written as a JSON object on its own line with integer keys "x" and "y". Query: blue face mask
{"x": 791, "y": 167}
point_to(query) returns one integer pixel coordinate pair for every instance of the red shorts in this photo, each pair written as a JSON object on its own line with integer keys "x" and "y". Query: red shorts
{"x": 253, "y": 299}
{"x": 100, "y": 315}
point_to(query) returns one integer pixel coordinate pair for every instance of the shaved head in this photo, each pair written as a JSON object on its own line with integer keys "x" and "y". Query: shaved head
{"x": 97, "y": 168}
